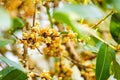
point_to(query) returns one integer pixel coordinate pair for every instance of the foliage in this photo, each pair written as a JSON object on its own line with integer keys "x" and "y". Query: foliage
{"x": 80, "y": 33}
{"x": 13, "y": 71}
{"x": 115, "y": 27}
{"x": 103, "y": 63}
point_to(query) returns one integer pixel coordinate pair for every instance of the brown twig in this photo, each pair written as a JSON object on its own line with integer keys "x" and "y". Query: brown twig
{"x": 39, "y": 51}
{"x": 72, "y": 51}
{"x": 78, "y": 64}
{"x": 25, "y": 56}
{"x": 34, "y": 15}
{"x": 95, "y": 25}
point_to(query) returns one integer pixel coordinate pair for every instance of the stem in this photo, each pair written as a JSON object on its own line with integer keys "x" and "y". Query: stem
{"x": 79, "y": 65}
{"x": 34, "y": 15}
{"x": 96, "y": 24}
{"x": 15, "y": 36}
{"x": 25, "y": 56}
{"x": 39, "y": 51}
{"x": 106, "y": 43}
{"x": 49, "y": 16}
{"x": 72, "y": 51}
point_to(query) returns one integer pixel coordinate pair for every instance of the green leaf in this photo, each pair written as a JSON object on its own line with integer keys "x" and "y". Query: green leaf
{"x": 18, "y": 23}
{"x": 115, "y": 27}
{"x": 103, "y": 63}
{"x": 66, "y": 13}
{"x": 5, "y": 20}
{"x": 69, "y": 14}
{"x": 91, "y": 48}
{"x": 12, "y": 73}
{"x": 11, "y": 63}
{"x": 111, "y": 4}
{"x": 116, "y": 70}
{"x": 116, "y": 4}
{"x": 4, "y": 42}
{"x": 115, "y": 65}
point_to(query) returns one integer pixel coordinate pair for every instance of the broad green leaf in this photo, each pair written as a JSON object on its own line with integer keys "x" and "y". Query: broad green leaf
{"x": 106, "y": 4}
{"x": 116, "y": 70}
{"x": 4, "y": 42}
{"x": 108, "y": 1}
{"x": 11, "y": 63}
{"x": 91, "y": 48}
{"x": 66, "y": 13}
{"x": 115, "y": 65}
{"x": 5, "y": 20}
{"x": 116, "y": 4}
{"x": 18, "y": 23}
{"x": 103, "y": 63}
{"x": 82, "y": 30}
{"x": 113, "y": 4}
{"x": 115, "y": 27}
{"x": 12, "y": 73}
{"x": 69, "y": 14}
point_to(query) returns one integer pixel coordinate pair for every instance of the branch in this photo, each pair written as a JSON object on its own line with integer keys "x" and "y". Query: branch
{"x": 25, "y": 56}
{"x": 79, "y": 65}
{"x": 34, "y": 15}
{"x": 95, "y": 25}
{"x": 106, "y": 43}
{"x": 72, "y": 51}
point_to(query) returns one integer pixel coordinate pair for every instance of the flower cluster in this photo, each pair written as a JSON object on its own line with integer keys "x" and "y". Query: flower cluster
{"x": 31, "y": 37}
{"x": 28, "y": 7}
{"x": 63, "y": 72}
{"x": 35, "y": 36}
{"x": 24, "y": 7}
{"x": 45, "y": 76}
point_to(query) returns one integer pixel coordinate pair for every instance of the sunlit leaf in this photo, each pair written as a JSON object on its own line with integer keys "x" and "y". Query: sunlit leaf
{"x": 116, "y": 4}
{"x": 76, "y": 12}
{"x": 113, "y": 4}
{"x": 12, "y": 73}
{"x": 5, "y": 20}
{"x": 115, "y": 27}
{"x": 115, "y": 65}
{"x": 116, "y": 70}
{"x": 11, "y": 63}
{"x": 4, "y": 42}
{"x": 69, "y": 14}
{"x": 103, "y": 63}
{"x": 18, "y": 23}
{"x": 82, "y": 30}
{"x": 91, "y": 48}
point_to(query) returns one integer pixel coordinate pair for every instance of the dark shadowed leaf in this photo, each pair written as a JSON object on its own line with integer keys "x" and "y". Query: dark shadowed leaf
{"x": 115, "y": 27}
{"x": 103, "y": 63}
{"x": 12, "y": 73}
